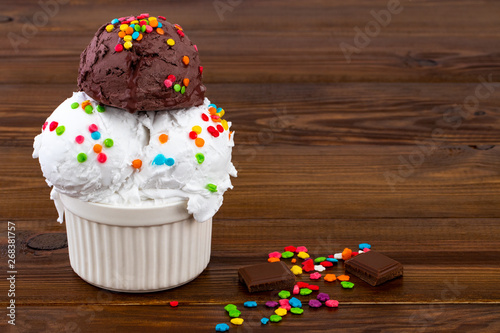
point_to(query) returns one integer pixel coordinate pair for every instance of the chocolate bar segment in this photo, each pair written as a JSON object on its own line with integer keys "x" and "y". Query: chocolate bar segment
{"x": 374, "y": 268}
{"x": 268, "y": 276}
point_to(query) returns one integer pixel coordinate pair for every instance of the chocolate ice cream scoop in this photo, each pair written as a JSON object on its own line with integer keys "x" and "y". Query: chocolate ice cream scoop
{"x": 142, "y": 63}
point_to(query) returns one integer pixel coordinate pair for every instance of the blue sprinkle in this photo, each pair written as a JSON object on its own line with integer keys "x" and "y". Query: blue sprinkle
{"x": 159, "y": 159}
{"x": 219, "y": 110}
{"x": 332, "y": 260}
{"x": 363, "y": 246}
{"x": 250, "y": 304}
{"x": 222, "y": 327}
{"x": 132, "y": 25}
{"x": 264, "y": 320}
{"x": 135, "y": 35}
{"x": 159, "y": 25}
{"x": 115, "y": 21}
{"x": 96, "y": 135}
{"x": 295, "y": 302}
{"x": 169, "y": 161}
{"x": 212, "y": 106}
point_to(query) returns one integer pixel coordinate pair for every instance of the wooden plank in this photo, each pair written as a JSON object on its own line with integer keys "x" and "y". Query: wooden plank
{"x": 204, "y": 317}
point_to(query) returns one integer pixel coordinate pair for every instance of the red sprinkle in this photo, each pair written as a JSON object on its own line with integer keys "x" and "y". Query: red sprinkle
{"x": 93, "y": 128}
{"x": 180, "y": 33}
{"x": 119, "y": 48}
{"x": 204, "y": 117}
{"x": 220, "y": 128}
{"x": 201, "y": 69}
{"x": 308, "y": 265}
{"x": 101, "y": 157}
{"x": 193, "y": 135}
{"x": 313, "y": 287}
{"x": 53, "y": 125}
{"x": 326, "y": 264}
{"x": 171, "y": 77}
{"x": 290, "y": 248}
{"x": 354, "y": 254}
{"x": 213, "y": 131}
{"x": 302, "y": 284}
{"x": 174, "y": 304}
{"x": 162, "y": 17}
{"x": 331, "y": 256}
{"x": 79, "y": 139}
{"x": 142, "y": 23}
{"x": 214, "y": 117}
{"x": 44, "y": 126}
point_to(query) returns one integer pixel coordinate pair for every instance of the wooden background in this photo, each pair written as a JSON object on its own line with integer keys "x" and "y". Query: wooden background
{"x": 316, "y": 138}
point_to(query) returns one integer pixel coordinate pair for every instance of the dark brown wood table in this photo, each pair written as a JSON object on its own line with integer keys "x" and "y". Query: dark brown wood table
{"x": 356, "y": 121}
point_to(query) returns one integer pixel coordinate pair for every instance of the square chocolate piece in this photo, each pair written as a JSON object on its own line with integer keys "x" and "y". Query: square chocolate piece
{"x": 374, "y": 268}
{"x": 268, "y": 276}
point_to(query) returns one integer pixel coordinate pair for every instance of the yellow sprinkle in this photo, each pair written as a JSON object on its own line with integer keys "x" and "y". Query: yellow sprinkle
{"x": 280, "y": 312}
{"x": 127, "y": 45}
{"x": 303, "y": 255}
{"x": 110, "y": 27}
{"x": 197, "y": 129}
{"x": 127, "y": 38}
{"x": 134, "y": 22}
{"x": 224, "y": 124}
{"x": 221, "y": 113}
{"x": 123, "y": 27}
{"x": 296, "y": 270}
{"x": 237, "y": 321}
{"x": 170, "y": 42}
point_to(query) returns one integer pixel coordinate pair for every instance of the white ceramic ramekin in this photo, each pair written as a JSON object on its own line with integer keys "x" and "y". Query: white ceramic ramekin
{"x": 135, "y": 249}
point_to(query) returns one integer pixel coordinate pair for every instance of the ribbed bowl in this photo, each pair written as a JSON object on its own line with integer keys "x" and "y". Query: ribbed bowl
{"x": 135, "y": 249}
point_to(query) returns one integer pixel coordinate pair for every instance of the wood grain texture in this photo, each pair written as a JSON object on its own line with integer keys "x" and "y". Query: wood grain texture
{"x": 330, "y": 153}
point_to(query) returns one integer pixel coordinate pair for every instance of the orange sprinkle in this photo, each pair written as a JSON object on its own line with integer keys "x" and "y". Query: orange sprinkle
{"x": 212, "y": 110}
{"x": 97, "y": 148}
{"x": 273, "y": 259}
{"x": 129, "y": 31}
{"x": 84, "y": 104}
{"x": 121, "y": 34}
{"x": 163, "y": 138}
{"x": 330, "y": 277}
{"x": 230, "y": 133}
{"x": 343, "y": 277}
{"x": 137, "y": 164}
{"x": 185, "y": 60}
{"x": 186, "y": 82}
{"x": 199, "y": 142}
{"x": 346, "y": 254}
{"x": 160, "y": 31}
{"x": 140, "y": 37}
{"x": 153, "y": 23}
{"x": 294, "y": 261}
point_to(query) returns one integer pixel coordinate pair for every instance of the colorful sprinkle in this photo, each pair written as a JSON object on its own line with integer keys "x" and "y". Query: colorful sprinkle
{"x": 230, "y": 307}
{"x": 127, "y": 45}
{"x": 88, "y": 109}
{"x": 115, "y": 21}
{"x": 280, "y": 312}
{"x": 204, "y": 117}
{"x": 53, "y": 125}
{"x": 264, "y": 321}
{"x": 97, "y": 148}
{"x": 199, "y": 142}
{"x": 237, "y": 321}
{"x": 221, "y": 129}
{"x": 284, "y": 294}
{"x": 226, "y": 127}
{"x": 196, "y": 129}
{"x": 109, "y": 28}
{"x": 137, "y": 164}
{"x": 169, "y": 161}
{"x": 200, "y": 158}
{"x": 296, "y": 270}
{"x": 160, "y": 31}
{"x": 347, "y": 284}
{"x": 297, "y": 311}
{"x": 74, "y": 105}
{"x": 119, "y": 48}
{"x": 60, "y": 130}
{"x": 193, "y": 135}
{"x": 170, "y": 42}
{"x": 108, "y": 142}
{"x": 343, "y": 277}
{"x": 305, "y": 291}
{"x": 123, "y": 27}
{"x": 82, "y": 157}
{"x": 168, "y": 83}
{"x": 330, "y": 277}
{"x": 201, "y": 70}
{"x": 346, "y": 254}
{"x": 79, "y": 139}
{"x": 275, "y": 318}
{"x": 177, "y": 87}
{"x": 314, "y": 303}
{"x": 222, "y": 327}
{"x": 159, "y": 159}
{"x": 250, "y": 304}
{"x": 44, "y": 126}
{"x": 287, "y": 254}
{"x": 315, "y": 276}
{"x": 101, "y": 108}
{"x": 173, "y": 303}
{"x": 163, "y": 138}
{"x": 212, "y": 188}
{"x": 332, "y": 303}
{"x": 185, "y": 82}
{"x": 185, "y": 60}
{"x": 135, "y": 35}
{"x": 96, "y": 135}
{"x": 183, "y": 89}
{"x": 93, "y": 128}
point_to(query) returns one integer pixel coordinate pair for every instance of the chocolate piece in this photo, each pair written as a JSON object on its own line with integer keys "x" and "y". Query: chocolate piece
{"x": 268, "y": 276}
{"x": 134, "y": 79}
{"x": 374, "y": 268}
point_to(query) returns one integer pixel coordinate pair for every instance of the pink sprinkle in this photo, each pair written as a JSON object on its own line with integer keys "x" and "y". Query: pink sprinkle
{"x": 366, "y": 250}
{"x": 214, "y": 117}
{"x": 301, "y": 249}
{"x": 283, "y": 301}
{"x": 149, "y": 29}
{"x": 93, "y": 128}
{"x": 296, "y": 290}
{"x": 287, "y": 307}
{"x": 167, "y": 83}
{"x": 171, "y": 77}
{"x": 275, "y": 255}
{"x": 162, "y": 17}
{"x": 145, "y": 15}
{"x": 315, "y": 276}
{"x": 332, "y": 303}
{"x": 121, "y": 19}
{"x": 196, "y": 47}
{"x": 79, "y": 139}
{"x": 44, "y": 126}
{"x": 101, "y": 157}
{"x": 119, "y": 48}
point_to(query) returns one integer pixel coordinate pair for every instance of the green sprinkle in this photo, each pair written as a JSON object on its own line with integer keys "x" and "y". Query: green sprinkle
{"x": 88, "y": 109}
{"x": 60, "y": 130}
{"x": 108, "y": 142}
{"x": 284, "y": 294}
{"x": 296, "y": 310}
{"x": 200, "y": 158}
{"x": 347, "y": 284}
{"x": 305, "y": 291}
{"x": 137, "y": 27}
{"x": 320, "y": 259}
{"x": 177, "y": 87}
{"x": 287, "y": 254}
{"x": 143, "y": 29}
{"x": 234, "y": 313}
{"x": 82, "y": 157}
{"x": 275, "y": 318}
{"x": 230, "y": 307}
{"x": 212, "y": 188}
{"x": 75, "y": 105}
{"x": 101, "y": 108}
{"x": 183, "y": 89}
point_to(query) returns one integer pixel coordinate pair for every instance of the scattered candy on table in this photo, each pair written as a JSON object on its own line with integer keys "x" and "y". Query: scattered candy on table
{"x": 237, "y": 321}
{"x": 222, "y": 327}
{"x": 250, "y": 304}
{"x": 275, "y": 318}
{"x": 280, "y": 312}
{"x": 296, "y": 311}
{"x": 315, "y": 276}
{"x": 314, "y": 303}
{"x": 343, "y": 277}
{"x": 271, "y": 304}
{"x": 347, "y": 284}
{"x": 284, "y": 294}
{"x": 332, "y": 303}
{"x": 296, "y": 270}
{"x": 264, "y": 320}
{"x": 323, "y": 297}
